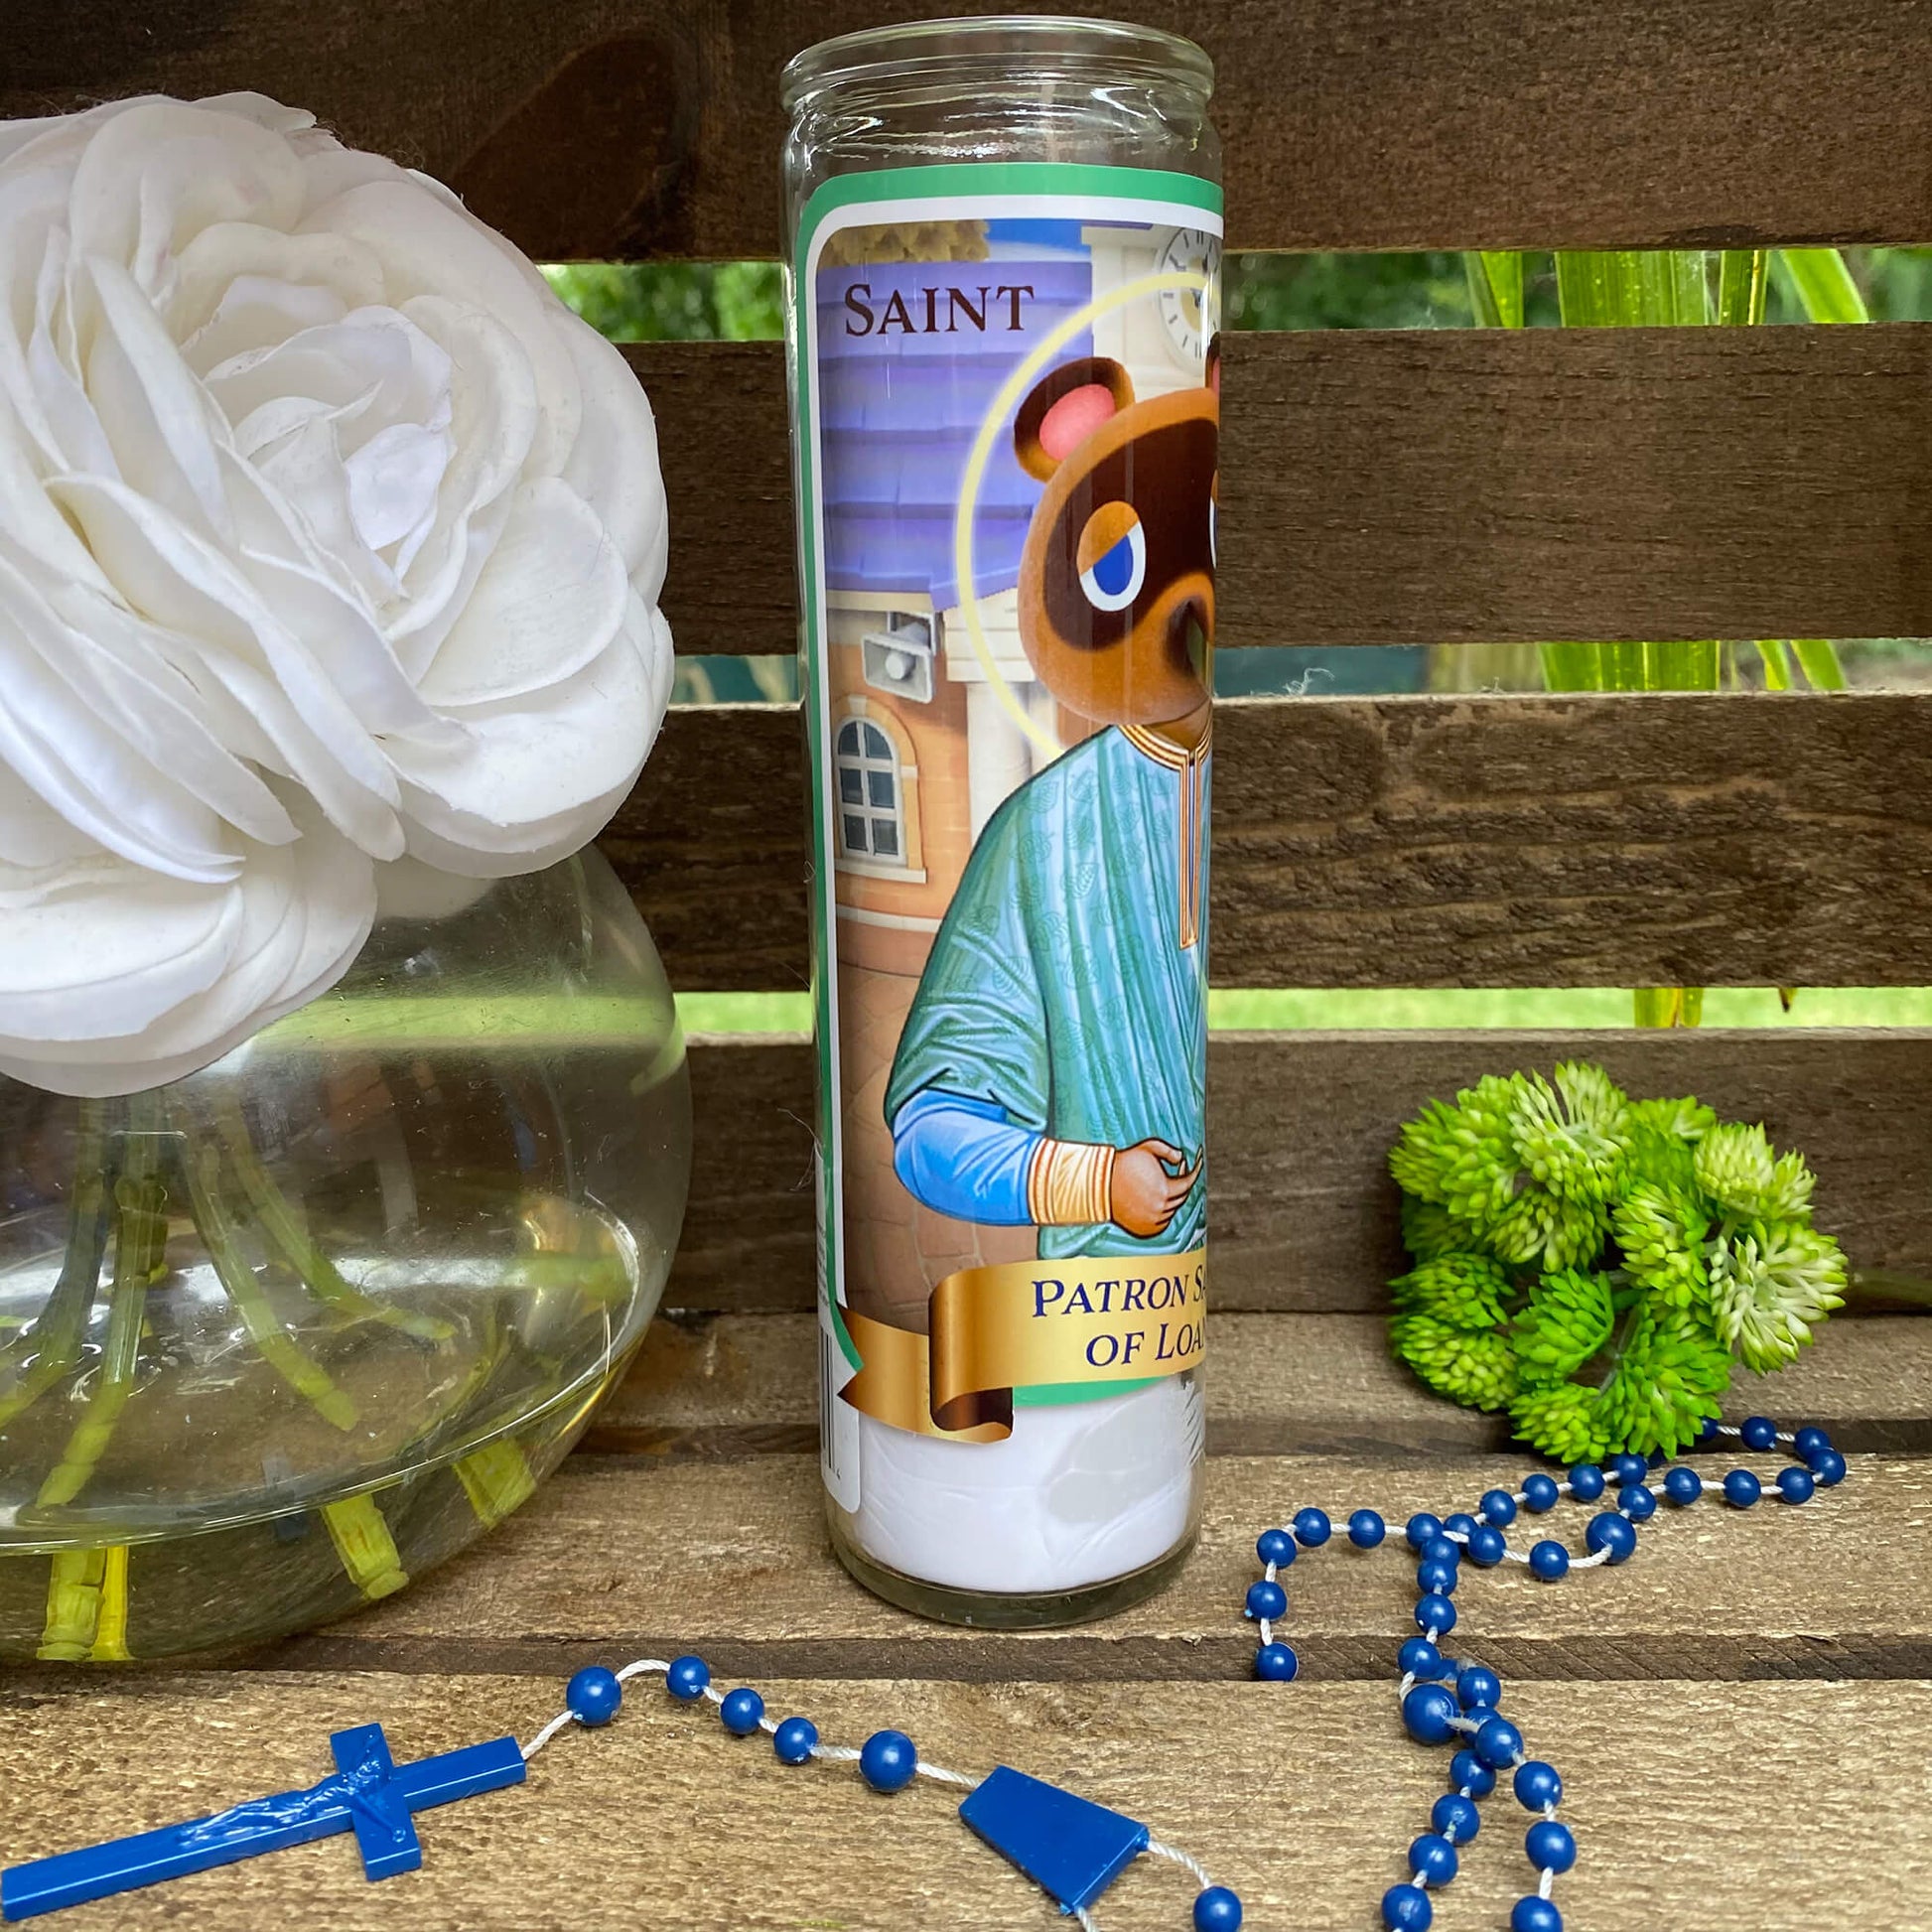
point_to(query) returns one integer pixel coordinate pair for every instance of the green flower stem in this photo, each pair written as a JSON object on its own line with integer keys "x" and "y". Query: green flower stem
{"x": 290, "y": 1360}
{"x": 50, "y": 1349}
{"x": 283, "y": 1226}
{"x": 140, "y": 1259}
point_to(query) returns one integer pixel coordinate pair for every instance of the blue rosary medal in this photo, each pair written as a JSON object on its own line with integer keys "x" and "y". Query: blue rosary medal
{"x": 1069, "y": 1846}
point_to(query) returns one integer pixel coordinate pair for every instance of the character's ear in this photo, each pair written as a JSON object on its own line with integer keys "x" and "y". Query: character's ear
{"x": 1212, "y": 376}
{"x": 1066, "y": 406}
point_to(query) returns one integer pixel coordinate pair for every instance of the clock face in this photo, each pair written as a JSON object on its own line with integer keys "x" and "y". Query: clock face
{"x": 1192, "y": 316}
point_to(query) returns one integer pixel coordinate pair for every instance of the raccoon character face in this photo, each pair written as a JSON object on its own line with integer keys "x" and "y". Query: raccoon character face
{"x": 1117, "y": 577}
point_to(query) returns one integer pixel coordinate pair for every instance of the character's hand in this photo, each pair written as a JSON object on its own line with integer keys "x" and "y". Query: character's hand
{"x": 1144, "y": 1197}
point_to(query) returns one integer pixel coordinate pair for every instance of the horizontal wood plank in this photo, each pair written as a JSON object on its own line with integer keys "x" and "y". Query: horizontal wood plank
{"x": 1300, "y": 1799}
{"x": 712, "y": 1387}
{"x": 1480, "y": 841}
{"x": 1386, "y": 486}
{"x": 1302, "y": 1213}
{"x": 739, "y": 1570}
{"x": 614, "y": 127}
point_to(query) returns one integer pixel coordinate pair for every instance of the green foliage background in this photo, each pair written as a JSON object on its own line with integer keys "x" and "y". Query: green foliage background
{"x": 742, "y": 301}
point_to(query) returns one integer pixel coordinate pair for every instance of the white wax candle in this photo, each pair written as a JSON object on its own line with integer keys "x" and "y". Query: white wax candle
{"x": 1078, "y": 1493}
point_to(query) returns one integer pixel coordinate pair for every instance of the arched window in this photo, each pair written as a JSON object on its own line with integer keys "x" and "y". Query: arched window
{"x": 871, "y": 809}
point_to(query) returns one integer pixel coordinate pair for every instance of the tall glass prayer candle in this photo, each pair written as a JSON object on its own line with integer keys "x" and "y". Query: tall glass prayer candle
{"x": 1004, "y": 287}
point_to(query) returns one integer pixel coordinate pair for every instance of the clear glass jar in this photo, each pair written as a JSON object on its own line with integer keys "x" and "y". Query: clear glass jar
{"x": 279, "y": 1336}
{"x": 1004, "y": 295}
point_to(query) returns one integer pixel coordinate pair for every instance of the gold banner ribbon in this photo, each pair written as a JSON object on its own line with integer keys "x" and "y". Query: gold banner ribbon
{"x": 1026, "y": 1325}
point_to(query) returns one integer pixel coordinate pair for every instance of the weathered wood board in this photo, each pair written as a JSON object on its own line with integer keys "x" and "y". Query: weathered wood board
{"x": 716, "y": 1387}
{"x": 1478, "y": 841}
{"x": 1303, "y": 1212}
{"x": 1390, "y": 486}
{"x": 594, "y": 128}
{"x": 1683, "y": 1794}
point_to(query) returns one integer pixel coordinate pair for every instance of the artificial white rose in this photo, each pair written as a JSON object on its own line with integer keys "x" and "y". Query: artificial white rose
{"x": 327, "y": 537}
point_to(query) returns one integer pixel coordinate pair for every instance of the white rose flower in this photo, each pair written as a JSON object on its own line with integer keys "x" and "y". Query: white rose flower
{"x": 329, "y": 538}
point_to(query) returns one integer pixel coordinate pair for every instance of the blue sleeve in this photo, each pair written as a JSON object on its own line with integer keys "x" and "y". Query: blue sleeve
{"x": 964, "y": 1158}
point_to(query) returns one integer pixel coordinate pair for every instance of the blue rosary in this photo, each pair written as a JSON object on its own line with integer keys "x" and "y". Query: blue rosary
{"x": 1072, "y": 1848}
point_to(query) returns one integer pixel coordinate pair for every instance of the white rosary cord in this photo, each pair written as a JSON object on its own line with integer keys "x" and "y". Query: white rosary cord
{"x": 846, "y": 1754}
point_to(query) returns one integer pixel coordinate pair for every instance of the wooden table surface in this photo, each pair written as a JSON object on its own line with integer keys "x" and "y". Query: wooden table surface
{"x": 1742, "y": 1715}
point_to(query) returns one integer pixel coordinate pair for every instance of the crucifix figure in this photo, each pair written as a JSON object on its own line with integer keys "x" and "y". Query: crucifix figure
{"x": 369, "y": 1794}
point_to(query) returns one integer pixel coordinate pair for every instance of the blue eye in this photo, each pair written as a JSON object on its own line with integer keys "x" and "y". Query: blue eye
{"x": 1113, "y": 579}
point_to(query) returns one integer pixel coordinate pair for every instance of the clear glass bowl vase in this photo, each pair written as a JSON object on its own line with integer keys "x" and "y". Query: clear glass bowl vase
{"x": 281, "y": 1335}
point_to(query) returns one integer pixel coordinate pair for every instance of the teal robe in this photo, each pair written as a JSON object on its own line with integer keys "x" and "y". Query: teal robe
{"x": 1059, "y": 995}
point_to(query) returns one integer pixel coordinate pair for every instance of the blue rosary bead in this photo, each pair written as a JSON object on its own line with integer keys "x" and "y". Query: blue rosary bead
{"x": 1498, "y": 1506}
{"x": 1438, "y": 1549}
{"x": 795, "y": 1740}
{"x": 592, "y": 1695}
{"x": 887, "y": 1760}
{"x": 1217, "y": 1910}
{"x": 1266, "y": 1599}
{"x": 1796, "y": 1485}
{"x": 1406, "y": 1908}
{"x": 1431, "y": 1857}
{"x": 1366, "y": 1529}
{"x": 1551, "y": 1846}
{"x": 1459, "y": 1525}
{"x": 1276, "y": 1547}
{"x": 1422, "y": 1527}
{"x": 1419, "y": 1658}
{"x": 1486, "y": 1546}
{"x": 740, "y": 1712}
{"x": 1537, "y": 1784}
{"x": 686, "y": 1679}
{"x": 1810, "y": 1443}
{"x": 1586, "y": 1482}
{"x": 1636, "y": 1502}
{"x": 1534, "y": 1914}
{"x": 1478, "y": 1684}
{"x": 1829, "y": 1468}
{"x": 1455, "y": 1817}
{"x": 1467, "y": 1769}
{"x": 1435, "y": 1615}
{"x": 1550, "y": 1561}
{"x": 1628, "y": 1468}
{"x": 1682, "y": 1486}
{"x": 1613, "y": 1535}
{"x": 1741, "y": 1490}
{"x": 1708, "y": 1431}
{"x": 1275, "y": 1663}
{"x": 1760, "y": 1433}
{"x": 1437, "y": 1579}
{"x": 1427, "y": 1712}
{"x": 1499, "y": 1743}
{"x": 1540, "y": 1492}
{"x": 1311, "y": 1528}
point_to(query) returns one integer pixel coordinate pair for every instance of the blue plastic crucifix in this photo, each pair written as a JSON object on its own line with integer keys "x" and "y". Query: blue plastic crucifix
{"x": 369, "y": 1794}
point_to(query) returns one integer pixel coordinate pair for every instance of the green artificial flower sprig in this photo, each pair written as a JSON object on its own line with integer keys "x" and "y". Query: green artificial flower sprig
{"x": 1594, "y": 1264}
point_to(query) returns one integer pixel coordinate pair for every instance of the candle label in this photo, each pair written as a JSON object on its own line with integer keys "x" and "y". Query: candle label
{"x": 1008, "y": 379}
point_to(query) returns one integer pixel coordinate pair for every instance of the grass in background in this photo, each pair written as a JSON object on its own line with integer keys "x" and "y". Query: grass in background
{"x": 1374, "y": 1010}
{"x": 742, "y": 301}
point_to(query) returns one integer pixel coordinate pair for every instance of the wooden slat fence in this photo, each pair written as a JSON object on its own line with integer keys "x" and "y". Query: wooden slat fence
{"x": 600, "y": 128}
{"x": 1445, "y": 487}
